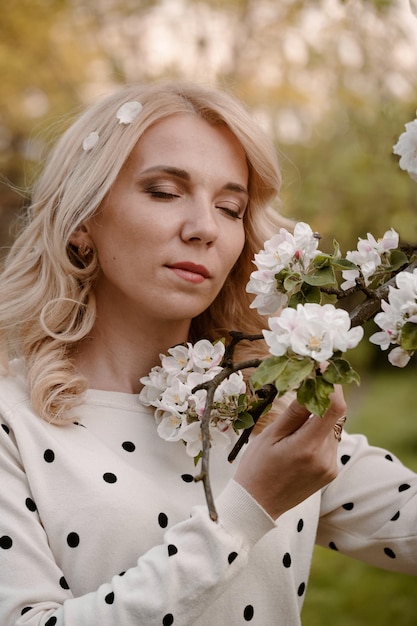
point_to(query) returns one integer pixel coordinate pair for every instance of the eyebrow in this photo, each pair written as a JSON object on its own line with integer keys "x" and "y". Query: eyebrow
{"x": 184, "y": 175}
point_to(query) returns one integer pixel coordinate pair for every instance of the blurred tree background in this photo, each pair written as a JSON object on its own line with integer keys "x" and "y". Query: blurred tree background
{"x": 333, "y": 81}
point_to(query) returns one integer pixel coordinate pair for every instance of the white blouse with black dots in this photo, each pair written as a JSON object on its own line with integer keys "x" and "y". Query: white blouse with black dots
{"x": 102, "y": 524}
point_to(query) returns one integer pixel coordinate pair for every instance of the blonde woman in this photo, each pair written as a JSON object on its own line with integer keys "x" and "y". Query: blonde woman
{"x": 139, "y": 237}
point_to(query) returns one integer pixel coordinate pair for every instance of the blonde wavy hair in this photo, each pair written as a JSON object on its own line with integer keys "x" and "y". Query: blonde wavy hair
{"x": 47, "y": 286}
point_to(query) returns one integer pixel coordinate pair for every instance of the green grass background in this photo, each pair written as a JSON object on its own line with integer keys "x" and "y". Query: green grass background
{"x": 344, "y": 592}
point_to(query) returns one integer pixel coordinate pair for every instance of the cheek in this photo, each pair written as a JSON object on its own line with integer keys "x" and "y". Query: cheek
{"x": 234, "y": 247}
{"x": 237, "y": 244}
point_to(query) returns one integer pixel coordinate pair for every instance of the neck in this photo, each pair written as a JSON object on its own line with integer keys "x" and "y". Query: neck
{"x": 115, "y": 358}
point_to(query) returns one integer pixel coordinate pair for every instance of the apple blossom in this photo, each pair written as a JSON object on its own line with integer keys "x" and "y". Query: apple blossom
{"x": 192, "y": 436}
{"x": 284, "y": 251}
{"x": 179, "y": 408}
{"x": 401, "y": 309}
{"x": 178, "y": 359}
{"x": 406, "y": 148}
{"x": 312, "y": 330}
{"x": 369, "y": 257}
{"x": 206, "y": 355}
{"x": 399, "y": 357}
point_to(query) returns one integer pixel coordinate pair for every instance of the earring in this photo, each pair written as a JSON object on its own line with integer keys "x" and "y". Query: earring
{"x": 84, "y": 250}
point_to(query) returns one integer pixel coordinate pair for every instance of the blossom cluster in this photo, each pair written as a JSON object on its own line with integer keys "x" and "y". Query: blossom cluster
{"x": 292, "y": 275}
{"x": 312, "y": 330}
{"x": 285, "y": 254}
{"x": 397, "y": 319}
{"x": 371, "y": 257}
{"x": 179, "y": 409}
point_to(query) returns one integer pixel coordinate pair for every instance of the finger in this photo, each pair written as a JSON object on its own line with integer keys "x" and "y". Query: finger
{"x": 289, "y": 421}
{"x": 337, "y": 408}
{"x": 331, "y": 423}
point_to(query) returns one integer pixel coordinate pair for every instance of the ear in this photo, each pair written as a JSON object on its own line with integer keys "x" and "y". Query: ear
{"x": 80, "y": 237}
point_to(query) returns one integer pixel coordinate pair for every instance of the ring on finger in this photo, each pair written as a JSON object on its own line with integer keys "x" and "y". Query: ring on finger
{"x": 338, "y": 427}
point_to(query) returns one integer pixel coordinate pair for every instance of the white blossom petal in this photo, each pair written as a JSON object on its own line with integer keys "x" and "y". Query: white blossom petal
{"x": 128, "y": 112}
{"x": 90, "y": 141}
{"x": 399, "y": 357}
{"x": 406, "y": 148}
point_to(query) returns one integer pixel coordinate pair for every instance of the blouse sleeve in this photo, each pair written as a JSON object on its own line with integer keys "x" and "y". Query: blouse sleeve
{"x": 370, "y": 510}
{"x": 180, "y": 577}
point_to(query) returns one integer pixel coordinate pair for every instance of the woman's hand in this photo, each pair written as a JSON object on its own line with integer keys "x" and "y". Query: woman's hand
{"x": 293, "y": 457}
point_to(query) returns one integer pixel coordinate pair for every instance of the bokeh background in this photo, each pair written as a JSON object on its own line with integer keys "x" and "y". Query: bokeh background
{"x": 333, "y": 81}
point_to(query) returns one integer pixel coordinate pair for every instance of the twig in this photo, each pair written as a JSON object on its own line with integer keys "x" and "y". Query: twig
{"x": 360, "y": 314}
{"x": 211, "y": 387}
{"x": 369, "y": 307}
{"x": 266, "y": 395}
{"x": 204, "y": 475}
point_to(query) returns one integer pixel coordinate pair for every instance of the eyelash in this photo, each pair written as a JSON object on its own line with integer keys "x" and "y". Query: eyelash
{"x": 165, "y": 195}
{"x": 234, "y": 214}
{"x": 162, "y": 195}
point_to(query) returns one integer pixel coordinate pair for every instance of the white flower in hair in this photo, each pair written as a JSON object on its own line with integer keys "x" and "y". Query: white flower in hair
{"x": 128, "y": 111}
{"x": 90, "y": 141}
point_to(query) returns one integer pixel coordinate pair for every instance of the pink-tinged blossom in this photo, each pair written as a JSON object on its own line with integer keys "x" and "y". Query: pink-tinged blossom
{"x": 399, "y": 357}
{"x": 406, "y": 148}
{"x": 368, "y": 257}
{"x": 206, "y": 355}
{"x": 282, "y": 327}
{"x": 234, "y": 385}
{"x": 400, "y": 308}
{"x": 312, "y": 330}
{"x": 268, "y": 299}
{"x": 178, "y": 360}
{"x": 285, "y": 250}
{"x": 178, "y": 408}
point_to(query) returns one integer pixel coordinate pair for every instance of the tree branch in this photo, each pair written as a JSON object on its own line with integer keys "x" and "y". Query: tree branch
{"x": 369, "y": 307}
{"x": 211, "y": 386}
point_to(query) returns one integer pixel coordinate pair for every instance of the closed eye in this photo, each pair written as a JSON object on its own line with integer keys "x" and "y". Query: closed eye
{"x": 162, "y": 195}
{"x": 161, "y": 191}
{"x": 230, "y": 212}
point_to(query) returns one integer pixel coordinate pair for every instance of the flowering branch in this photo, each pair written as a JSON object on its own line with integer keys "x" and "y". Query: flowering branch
{"x": 211, "y": 386}
{"x": 199, "y": 394}
{"x": 367, "y": 309}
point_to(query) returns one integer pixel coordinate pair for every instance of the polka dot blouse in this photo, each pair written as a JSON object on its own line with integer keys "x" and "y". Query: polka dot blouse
{"x": 102, "y": 524}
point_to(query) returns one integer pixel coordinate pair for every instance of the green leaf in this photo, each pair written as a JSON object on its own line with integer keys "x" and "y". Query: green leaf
{"x": 397, "y": 259}
{"x": 344, "y": 264}
{"x": 307, "y": 293}
{"x": 314, "y": 395}
{"x": 291, "y": 282}
{"x": 281, "y": 276}
{"x": 322, "y": 277}
{"x": 245, "y": 420}
{"x": 268, "y": 371}
{"x": 336, "y": 250}
{"x": 321, "y": 260}
{"x": 242, "y": 403}
{"x": 198, "y": 457}
{"x": 339, "y": 371}
{"x": 409, "y": 336}
{"x": 293, "y": 373}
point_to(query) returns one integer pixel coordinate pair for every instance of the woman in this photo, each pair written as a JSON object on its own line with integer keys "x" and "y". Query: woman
{"x": 139, "y": 237}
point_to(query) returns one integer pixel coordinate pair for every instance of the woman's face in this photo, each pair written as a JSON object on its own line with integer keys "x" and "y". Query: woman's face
{"x": 171, "y": 229}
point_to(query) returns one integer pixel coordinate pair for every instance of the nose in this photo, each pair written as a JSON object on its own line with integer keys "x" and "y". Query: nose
{"x": 200, "y": 222}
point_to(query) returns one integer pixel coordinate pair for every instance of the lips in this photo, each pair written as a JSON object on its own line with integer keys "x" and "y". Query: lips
{"x": 190, "y": 272}
{"x": 192, "y": 268}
